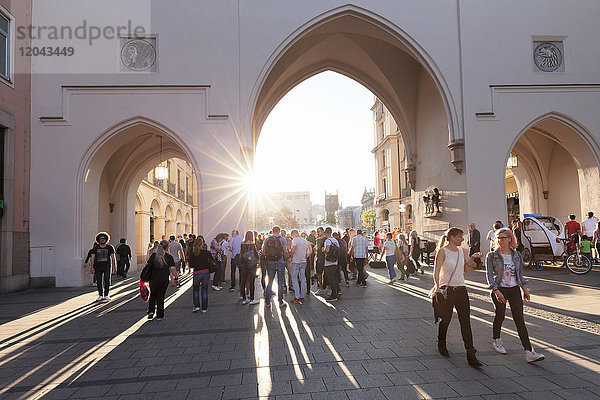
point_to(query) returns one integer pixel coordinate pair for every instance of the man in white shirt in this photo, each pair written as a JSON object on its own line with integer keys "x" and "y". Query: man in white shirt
{"x": 359, "y": 251}
{"x": 589, "y": 226}
{"x": 299, "y": 253}
{"x": 330, "y": 268}
{"x": 235, "y": 246}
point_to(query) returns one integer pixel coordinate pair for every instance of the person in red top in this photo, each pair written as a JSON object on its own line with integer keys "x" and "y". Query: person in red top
{"x": 376, "y": 240}
{"x": 572, "y": 227}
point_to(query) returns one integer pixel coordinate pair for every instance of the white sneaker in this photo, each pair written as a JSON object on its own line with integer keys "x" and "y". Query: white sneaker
{"x": 196, "y": 309}
{"x": 204, "y": 311}
{"x": 100, "y": 298}
{"x": 216, "y": 288}
{"x": 245, "y": 302}
{"x": 499, "y": 346}
{"x": 106, "y": 298}
{"x": 532, "y": 356}
{"x": 254, "y": 302}
{"x": 241, "y": 298}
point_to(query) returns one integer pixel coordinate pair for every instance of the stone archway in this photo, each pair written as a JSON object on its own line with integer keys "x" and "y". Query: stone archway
{"x": 111, "y": 173}
{"x": 557, "y": 170}
{"x": 382, "y": 57}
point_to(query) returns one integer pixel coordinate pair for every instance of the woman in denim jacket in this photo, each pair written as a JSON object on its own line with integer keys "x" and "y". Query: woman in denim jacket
{"x": 505, "y": 276}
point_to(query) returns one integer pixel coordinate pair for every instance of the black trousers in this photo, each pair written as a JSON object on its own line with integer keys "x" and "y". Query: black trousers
{"x": 218, "y": 273}
{"x": 513, "y": 297}
{"x": 333, "y": 278}
{"x": 459, "y": 298}
{"x": 123, "y": 267}
{"x": 245, "y": 273}
{"x": 359, "y": 264}
{"x": 102, "y": 279}
{"x": 158, "y": 289}
{"x": 235, "y": 264}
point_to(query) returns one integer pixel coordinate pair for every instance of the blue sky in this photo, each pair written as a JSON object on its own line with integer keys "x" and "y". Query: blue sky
{"x": 322, "y": 131}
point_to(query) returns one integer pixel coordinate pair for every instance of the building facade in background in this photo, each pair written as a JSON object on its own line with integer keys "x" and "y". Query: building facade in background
{"x": 279, "y": 207}
{"x": 165, "y": 206}
{"x": 392, "y": 171}
{"x": 15, "y": 107}
{"x": 197, "y": 81}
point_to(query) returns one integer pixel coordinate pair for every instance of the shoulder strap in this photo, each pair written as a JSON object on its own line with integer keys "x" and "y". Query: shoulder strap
{"x": 457, "y": 260}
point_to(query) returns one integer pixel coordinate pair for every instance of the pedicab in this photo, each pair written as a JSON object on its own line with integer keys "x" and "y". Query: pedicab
{"x": 543, "y": 239}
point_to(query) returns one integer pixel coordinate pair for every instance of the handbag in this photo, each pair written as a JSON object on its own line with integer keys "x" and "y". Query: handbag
{"x": 146, "y": 274}
{"x": 438, "y": 298}
{"x": 249, "y": 257}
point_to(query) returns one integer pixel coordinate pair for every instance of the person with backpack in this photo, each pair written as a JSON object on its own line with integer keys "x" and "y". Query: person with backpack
{"x": 162, "y": 266}
{"x": 450, "y": 290}
{"x": 249, "y": 259}
{"x": 217, "y": 253}
{"x": 332, "y": 251}
{"x": 203, "y": 263}
{"x": 274, "y": 254}
{"x": 343, "y": 258}
{"x": 124, "y": 262}
{"x": 389, "y": 249}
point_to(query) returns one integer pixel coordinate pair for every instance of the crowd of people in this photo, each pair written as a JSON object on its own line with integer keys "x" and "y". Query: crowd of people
{"x": 325, "y": 258}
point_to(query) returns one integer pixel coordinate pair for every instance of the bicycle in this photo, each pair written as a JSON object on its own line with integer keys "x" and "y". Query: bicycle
{"x": 574, "y": 261}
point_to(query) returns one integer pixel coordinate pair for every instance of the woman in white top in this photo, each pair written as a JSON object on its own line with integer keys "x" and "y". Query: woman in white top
{"x": 451, "y": 264}
{"x": 389, "y": 249}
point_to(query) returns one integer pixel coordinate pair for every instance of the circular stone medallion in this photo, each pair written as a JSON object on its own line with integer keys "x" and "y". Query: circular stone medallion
{"x": 138, "y": 55}
{"x": 547, "y": 57}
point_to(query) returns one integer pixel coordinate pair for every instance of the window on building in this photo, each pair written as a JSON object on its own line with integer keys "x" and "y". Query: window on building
{"x": 380, "y": 131}
{"x": 178, "y": 179}
{"x": 187, "y": 184}
{"x": 4, "y": 46}
{"x": 383, "y": 163}
{"x": 169, "y": 170}
{"x": 384, "y": 186}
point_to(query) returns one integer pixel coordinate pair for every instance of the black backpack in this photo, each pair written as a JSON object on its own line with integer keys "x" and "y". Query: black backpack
{"x": 334, "y": 251}
{"x": 273, "y": 249}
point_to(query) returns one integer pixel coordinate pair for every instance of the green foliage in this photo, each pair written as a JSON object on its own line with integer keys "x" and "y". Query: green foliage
{"x": 368, "y": 219}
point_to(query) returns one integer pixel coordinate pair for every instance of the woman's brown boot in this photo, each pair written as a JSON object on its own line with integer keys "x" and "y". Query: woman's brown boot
{"x": 442, "y": 348}
{"x": 471, "y": 359}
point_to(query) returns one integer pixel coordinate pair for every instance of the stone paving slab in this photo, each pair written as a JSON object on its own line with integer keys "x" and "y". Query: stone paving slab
{"x": 374, "y": 343}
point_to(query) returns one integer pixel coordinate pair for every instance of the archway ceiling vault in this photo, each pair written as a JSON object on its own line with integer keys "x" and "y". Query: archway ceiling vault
{"x": 379, "y": 65}
{"x": 139, "y": 153}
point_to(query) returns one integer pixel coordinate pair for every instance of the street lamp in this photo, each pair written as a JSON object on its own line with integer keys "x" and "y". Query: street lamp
{"x": 402, "y": 209}
{"x": 160, "y": 171}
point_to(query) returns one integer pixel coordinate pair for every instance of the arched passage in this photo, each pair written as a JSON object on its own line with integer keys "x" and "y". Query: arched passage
{"x": 111, "y": 173}
{"x": 380, "y": 56}
{"x": 554, "y": 169}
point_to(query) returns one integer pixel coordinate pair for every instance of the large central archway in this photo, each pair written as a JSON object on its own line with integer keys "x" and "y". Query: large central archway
{"x": 386, "y": 60}
{"x": 371, "y": 50}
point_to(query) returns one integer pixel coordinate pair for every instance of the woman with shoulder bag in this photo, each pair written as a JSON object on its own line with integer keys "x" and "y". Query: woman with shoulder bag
{"x": 249, "y": 263}
{"x": 163, "y": 266}
{"x": 203, "y": 263}
{"x": 504, "y": 268}
{"x": 451, "y": 264}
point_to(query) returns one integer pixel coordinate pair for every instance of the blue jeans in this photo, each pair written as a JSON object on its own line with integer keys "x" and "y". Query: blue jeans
{"x": 272, "y": 268}
{"x": 299, "y": 268}
{"x": 391, "y": 260}
{"x": 201, "y": 278}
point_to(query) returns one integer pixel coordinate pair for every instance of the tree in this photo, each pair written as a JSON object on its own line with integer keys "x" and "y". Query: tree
{"x": 368, "y": 219}
{"x": 285, "y": 218}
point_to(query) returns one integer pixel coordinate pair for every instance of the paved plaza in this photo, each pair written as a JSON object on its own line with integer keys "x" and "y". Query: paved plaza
{"x": 375, "y": 343}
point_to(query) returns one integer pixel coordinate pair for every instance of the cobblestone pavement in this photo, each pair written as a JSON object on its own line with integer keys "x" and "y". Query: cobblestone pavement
{"x": 374, "y": 343}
